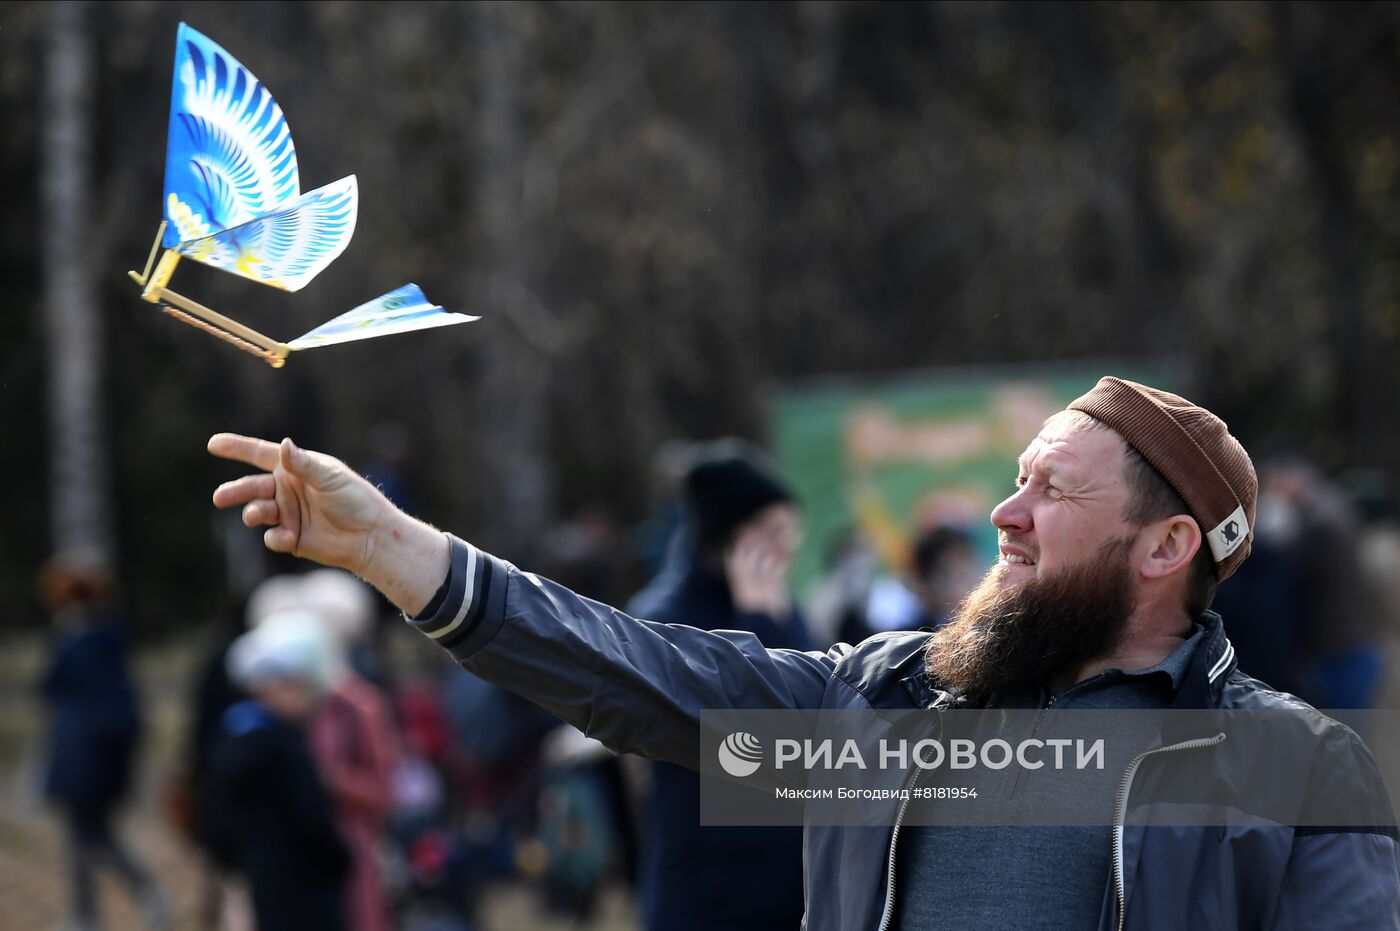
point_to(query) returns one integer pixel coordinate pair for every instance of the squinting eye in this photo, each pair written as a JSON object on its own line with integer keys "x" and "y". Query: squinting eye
{"x": 1020, "y": 481}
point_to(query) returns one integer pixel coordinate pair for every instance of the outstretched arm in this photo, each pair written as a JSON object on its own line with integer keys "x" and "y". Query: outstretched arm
{"x": 635, "y": 685}
{"x": 316, "y": 507}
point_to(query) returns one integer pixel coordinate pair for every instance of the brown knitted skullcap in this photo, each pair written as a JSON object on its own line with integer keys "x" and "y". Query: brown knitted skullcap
{"x": 1194, "y": 451}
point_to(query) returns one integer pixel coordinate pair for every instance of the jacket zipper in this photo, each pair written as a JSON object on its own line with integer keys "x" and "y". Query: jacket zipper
{"x": 1120, "y": 811}
{"x": 887, "y": 915}
{"x": 1035, "y": 729}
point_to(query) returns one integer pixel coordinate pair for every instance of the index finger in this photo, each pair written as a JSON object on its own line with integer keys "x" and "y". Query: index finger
{"x": 246, "y": 449}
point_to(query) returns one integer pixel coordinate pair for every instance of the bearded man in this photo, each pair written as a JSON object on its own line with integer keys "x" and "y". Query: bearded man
{"x": 1129, "y": 508}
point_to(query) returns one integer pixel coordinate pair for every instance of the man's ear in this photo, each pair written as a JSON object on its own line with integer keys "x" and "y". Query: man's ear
{"x": 1172, "y": 544}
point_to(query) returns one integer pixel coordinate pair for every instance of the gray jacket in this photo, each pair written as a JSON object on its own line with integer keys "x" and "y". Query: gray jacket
{"x": 638, "y": 687}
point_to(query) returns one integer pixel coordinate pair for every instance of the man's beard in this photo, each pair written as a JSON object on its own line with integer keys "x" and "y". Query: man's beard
{"x": 1001, "y": 639}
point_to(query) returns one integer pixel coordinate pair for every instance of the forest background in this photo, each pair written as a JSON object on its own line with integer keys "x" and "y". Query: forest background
{"x": 663, "y": 211}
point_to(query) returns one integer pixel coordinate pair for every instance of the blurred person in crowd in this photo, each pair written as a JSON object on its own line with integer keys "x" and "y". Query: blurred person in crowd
{"x": 94, "y": 729}
{"x": 652, "y": 539}
{"x": 213, "y": 693}
{"x": 944, "y": 568}
{"x": 586, "y": 551}
{"x": 224, "y": 901}
{"x": 353, "y": 740}
{"x": 1269, "y": 619}
{"x": 1380, "y": 561}
{"x": 493, "y": 746}
{"x": 1305, "y": 612}
{"x": 418, "y": 795}
{"x": 837, "y": 601}
{"x": 274, "y": 821}
{"x": 1380, "y": 544}
{"x": 1131, "y": 506}
{"x": 575, "y": 843}
{"x": 1321, "y": 532}
{"x": 434, "y": 879}
{"x": 729, "y": 571}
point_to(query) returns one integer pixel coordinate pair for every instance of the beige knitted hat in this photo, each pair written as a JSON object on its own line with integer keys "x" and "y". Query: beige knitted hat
{"x": 1194, "y": 451}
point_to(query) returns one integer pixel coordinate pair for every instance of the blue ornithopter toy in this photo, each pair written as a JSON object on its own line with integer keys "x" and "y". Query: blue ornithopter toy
{"x": 233, "y": 200}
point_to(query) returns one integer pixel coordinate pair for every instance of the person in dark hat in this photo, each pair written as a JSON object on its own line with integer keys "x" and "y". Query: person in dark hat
{"x": 728, "y": 570}
{"x": 1130, "y": 507}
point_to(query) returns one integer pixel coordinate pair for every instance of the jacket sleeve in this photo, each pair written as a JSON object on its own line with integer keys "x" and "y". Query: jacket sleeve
{"x": 637, "y": 686}
{"x": 1341, "y": 879}
{"x": 1340, "y": 876}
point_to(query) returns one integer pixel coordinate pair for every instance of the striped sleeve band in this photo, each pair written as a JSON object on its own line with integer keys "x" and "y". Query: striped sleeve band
{"x": 472, "y": 605}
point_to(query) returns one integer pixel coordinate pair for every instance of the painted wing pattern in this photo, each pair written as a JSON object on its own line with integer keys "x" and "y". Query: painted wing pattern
{"x": 230, "y": 155}
{"x": 233, "y": 201}
{"x": 400, "y": 311}
{"x": 289, "y": 246}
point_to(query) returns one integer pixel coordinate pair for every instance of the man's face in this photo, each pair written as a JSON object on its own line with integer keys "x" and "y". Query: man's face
{"x": 1070, "y": 499}
{"x": 1065, "y": 584}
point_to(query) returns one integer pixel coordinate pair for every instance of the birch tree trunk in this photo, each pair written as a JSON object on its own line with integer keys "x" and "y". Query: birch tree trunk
{"x": 514, "y": 374}
{"x": 78, "y": 503}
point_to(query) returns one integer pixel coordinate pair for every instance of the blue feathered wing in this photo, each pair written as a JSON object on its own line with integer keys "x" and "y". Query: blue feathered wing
{"x": 289, "y": 246}
{"x": 400, "y": 311}
{"x": 229, "y": 156}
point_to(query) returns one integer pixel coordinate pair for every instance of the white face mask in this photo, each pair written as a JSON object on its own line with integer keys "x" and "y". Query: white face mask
{"x": 1276, "y": 519}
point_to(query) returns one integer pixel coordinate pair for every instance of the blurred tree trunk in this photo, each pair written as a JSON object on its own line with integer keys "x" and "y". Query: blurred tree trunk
{"x": 514, "y": 377}
{"x": 1315, "y": 82}
{"x": 77, "y": 469}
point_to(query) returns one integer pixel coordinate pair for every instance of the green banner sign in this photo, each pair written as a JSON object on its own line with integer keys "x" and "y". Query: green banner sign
{"x": 893, "y": 458}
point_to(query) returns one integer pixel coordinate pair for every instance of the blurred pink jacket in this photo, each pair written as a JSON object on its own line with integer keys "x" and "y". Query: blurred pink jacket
{"x": 355, "y": 747}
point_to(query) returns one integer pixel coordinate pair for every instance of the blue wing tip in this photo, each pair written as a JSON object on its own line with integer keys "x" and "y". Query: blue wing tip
{"x": 412, "y": 288}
